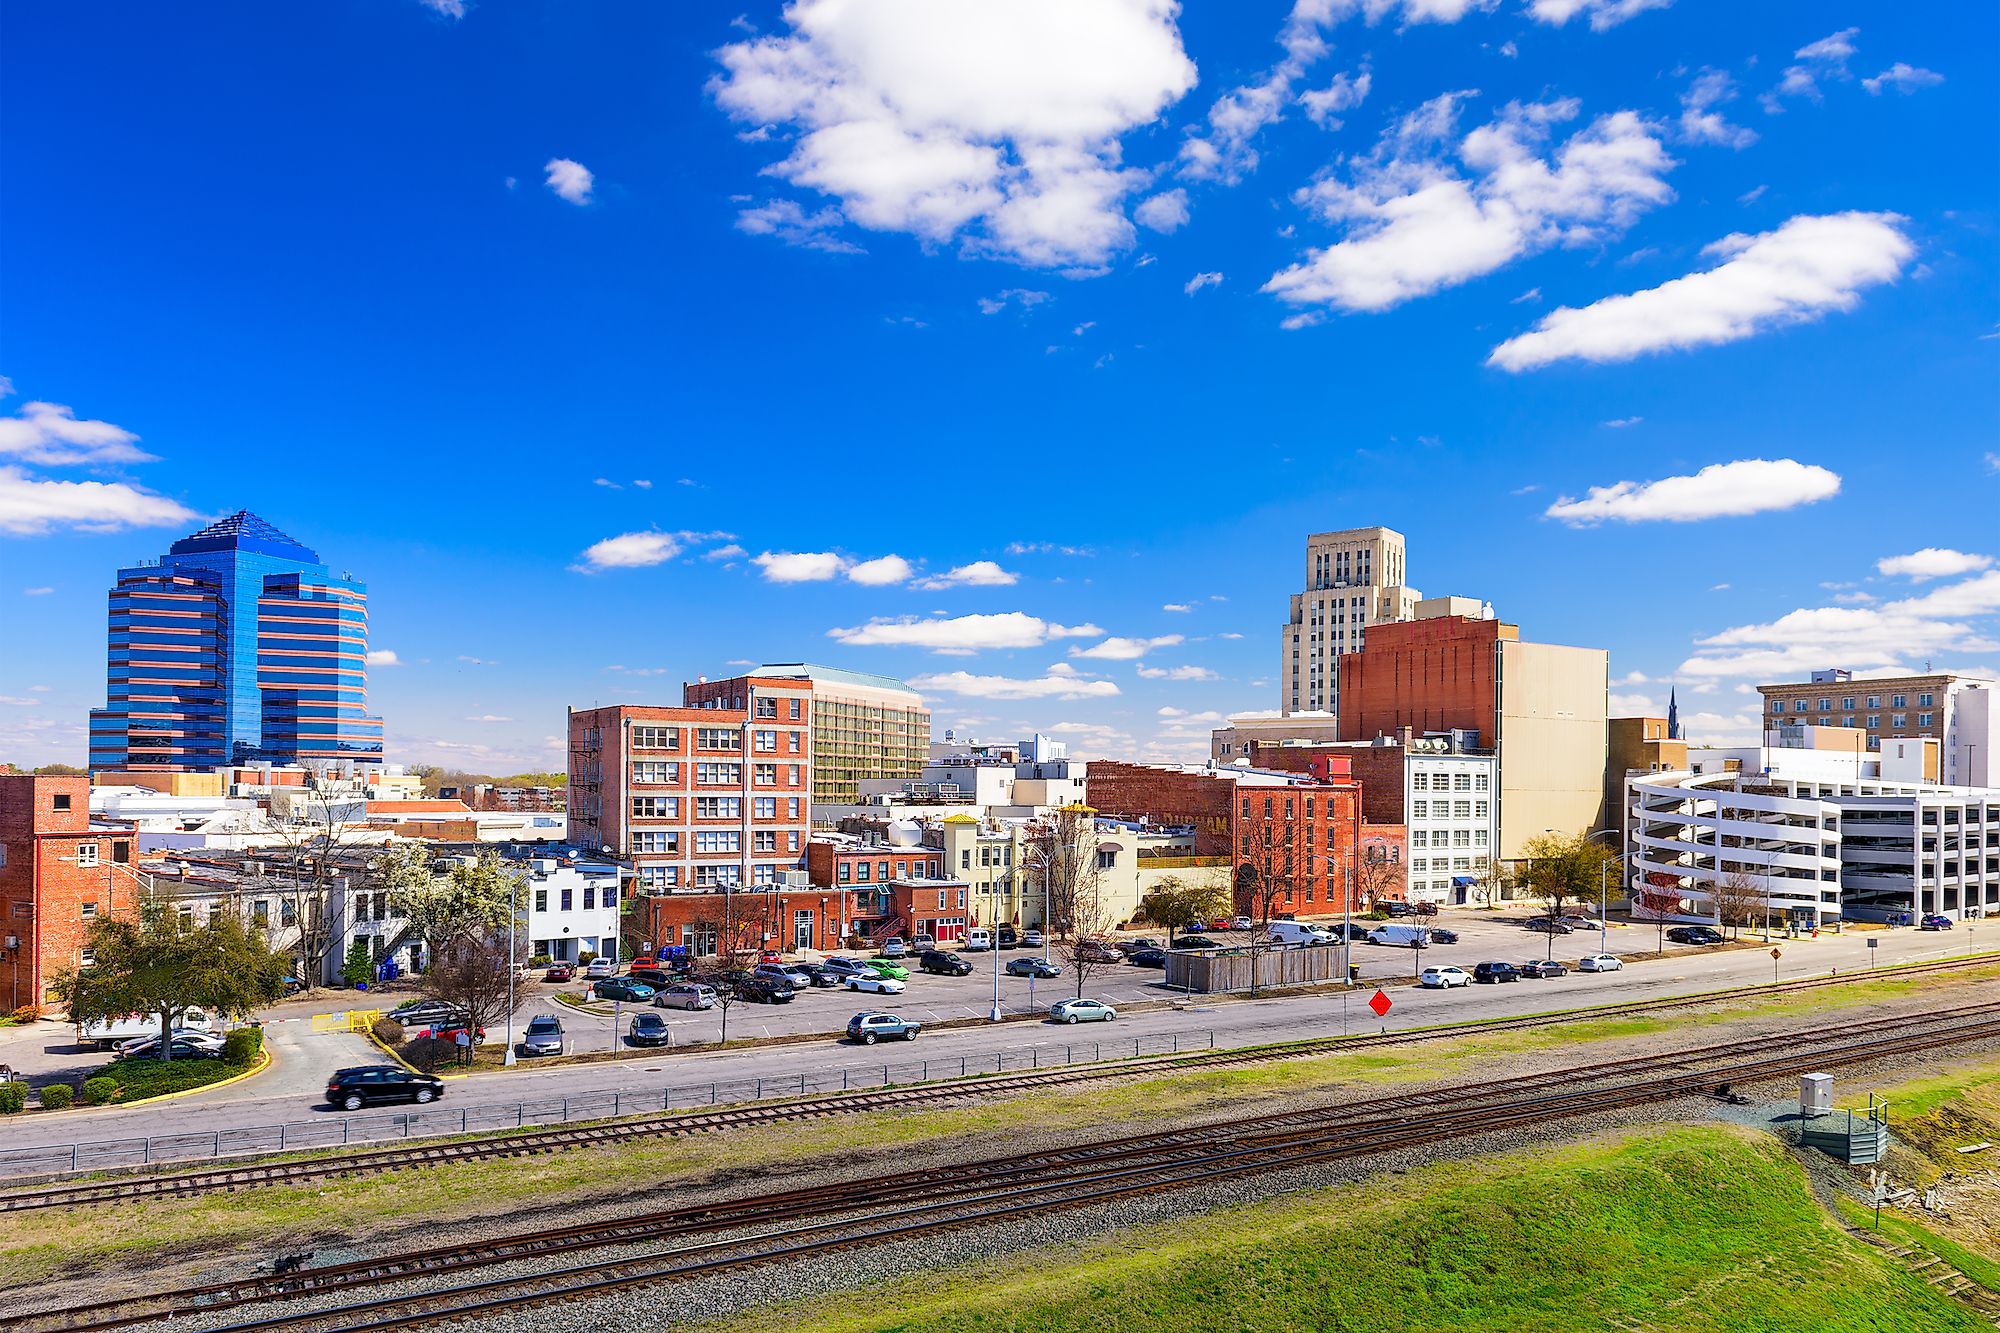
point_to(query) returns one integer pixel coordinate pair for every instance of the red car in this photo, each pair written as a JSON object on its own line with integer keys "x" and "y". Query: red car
{"x": 559, "y": 972}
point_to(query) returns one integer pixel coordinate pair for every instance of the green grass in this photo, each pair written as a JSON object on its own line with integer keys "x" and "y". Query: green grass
{"x": 1904, "y": 1231}
{"x": 150, "y": 1078}
{"x": 1688, "y": 1230}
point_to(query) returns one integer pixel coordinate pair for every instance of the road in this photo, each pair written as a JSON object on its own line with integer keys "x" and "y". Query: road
{"x": 289, "y": 1092}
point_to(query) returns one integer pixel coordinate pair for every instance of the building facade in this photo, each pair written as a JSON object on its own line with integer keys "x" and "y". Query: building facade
{"x": 696, "y": 798}
{"x": 1354, "y": 579}
{"x": 1958, "y": 711}
{"x": 59, "y": 871}
{"x": 237, "y": 646}
{"x": 1251, "y": 734}
{"x": 863, "y": 726}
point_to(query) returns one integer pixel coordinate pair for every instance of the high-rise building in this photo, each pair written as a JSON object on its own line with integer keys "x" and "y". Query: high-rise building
{"x": 1354, "y": 579}
{"x": 237, "y": 646}
{"x": 863, "y": 726}
{"x": 1957, "y": 710}
{"x": 1539, "y": 707}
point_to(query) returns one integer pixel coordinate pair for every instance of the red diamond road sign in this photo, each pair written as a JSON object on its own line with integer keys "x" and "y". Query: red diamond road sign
{"x": 1380, "y": 1004}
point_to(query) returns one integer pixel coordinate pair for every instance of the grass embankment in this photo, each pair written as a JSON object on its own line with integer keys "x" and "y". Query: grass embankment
{"x": 37, "y": 1245}
{"x": 1694, "y": 1230}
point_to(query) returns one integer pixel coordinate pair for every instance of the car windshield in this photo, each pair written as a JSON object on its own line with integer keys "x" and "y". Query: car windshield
{"x": 536, "y": 1025}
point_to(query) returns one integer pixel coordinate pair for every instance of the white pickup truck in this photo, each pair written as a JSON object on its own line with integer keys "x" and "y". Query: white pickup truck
{"x": 109, "y": 1032}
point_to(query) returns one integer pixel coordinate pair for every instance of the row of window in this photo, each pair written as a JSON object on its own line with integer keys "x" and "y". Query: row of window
{"x": 1450, "y": 809}
{"x": 930, "y": 869}
{"x": 565, "y": 898}
{"x": 769, "y": 708}
{"x": 706, "y": 876}
{"x": 1420, "y": 864}
{"x": 1847, "y": 704}
{"x": 714, "y": 807}
{"x": 1459, "y": 838}
{"x": 1458, "y": 781}
{"x": 653, "y": 772}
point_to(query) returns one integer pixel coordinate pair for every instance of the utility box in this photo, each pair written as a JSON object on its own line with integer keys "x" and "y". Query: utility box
{"x": 1815, "y": 1095}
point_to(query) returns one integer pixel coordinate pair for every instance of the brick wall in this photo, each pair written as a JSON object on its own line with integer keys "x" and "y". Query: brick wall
{"x": 1165, "y": 796}
{"x": 1427, "y": 675}
{"x": 45, "y": 888}
{"x": 662, "y": 920}
{"x": 1306, "y": 837}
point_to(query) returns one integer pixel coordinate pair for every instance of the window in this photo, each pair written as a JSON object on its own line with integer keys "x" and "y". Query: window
{"x": 1778, "y": 706}
{"x": 89, "y": 911}
{"x": 1798, "y": 705}
{"x": 766, "y": 742}
{"x": 567, "y": 898}
{"x": 121, "y": 852}
{"x": 1461, "y": 782}
{"x": 84, "y": 957}
{"x": 659, "y": 877}
{"x": 965, "y": 859}
{"x": 654, "y": 771}
{"x": 1847, "y": 720}
{"x": 1874, "y": 721}
{"x": 589, "y": 897}
{"x": 260, "y": 912}
{"x": 1846, "y": 705}
{"x": 714, "y": 877}
{"x": 26, "y": 911}
{"x": 1926, "y": 700}
{"x": 717, "y": 738}
{"x": 767, "y": 708}
{"x": 86, "y": 855}
{"x": 792, "y": 840}
{"x": 882, "y": 871}
{"x": 793, "y": 779}
{"x": 656, "y": 738}
{"x": 1482, "y": 782}
{"x": 861, "y": 871}
{"x": 1479, "y": 837}
{"x": 655, "y": 842}
{"x": 763, "y": 874}
{"x": 656, "y": 807}
{"x": 1899, "y": 701}
{"x": 718, "y": 807}
{"x": 1419, "y": 838}
{"x": 1874, "y": 701}
{"x": 795, "y": 710}
{"x": 541, "y": 900}
{"x": 1899, "y": 719}
{"x": 764, "y": 775}
{"x": 843, "y": 871}
{"x": 1482, "y": 809}
{"x": 1420, "y": 809}
{"x": 764, "y": 807}
{"x": 1923, "y": 720}
{"x": 794, "y": 741}
{"x": 1107, "y": 860}
{"x": 60, "y": 801}
{"x": 288, "y": 912}
{"x": 791, "y": 807}
{"x": 764, "y": 840}
{"x": 716, "y": 841}
{"x": 718, "y": 775}
{"x": 1461, "y": 809}
{"x": 1826, "y": 705}
{"x": 3, "y": 854}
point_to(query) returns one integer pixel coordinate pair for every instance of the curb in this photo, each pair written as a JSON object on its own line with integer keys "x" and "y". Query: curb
{"x": 391, "y": 1053}
{"x": 264, "y": 1061}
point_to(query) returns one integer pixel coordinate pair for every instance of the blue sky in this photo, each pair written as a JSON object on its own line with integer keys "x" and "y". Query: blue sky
{"x": 616, "y": 344}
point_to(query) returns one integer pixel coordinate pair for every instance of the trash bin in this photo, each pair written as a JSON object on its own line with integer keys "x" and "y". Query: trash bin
{"x": 1353, "y": 973}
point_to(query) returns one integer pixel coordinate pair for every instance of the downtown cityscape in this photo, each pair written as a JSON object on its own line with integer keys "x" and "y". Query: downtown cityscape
{"x": 639, "y": 614}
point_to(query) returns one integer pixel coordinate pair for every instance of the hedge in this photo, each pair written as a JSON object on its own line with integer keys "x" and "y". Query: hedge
{"x": 13, "y": 1098}
{"x": 241, "y": 1045}
{"x": 57, "y": 1097}
{"x": 97, "y": 1091}
{"x": 388, "y": 1032}
{"x": 147, "y": 1077}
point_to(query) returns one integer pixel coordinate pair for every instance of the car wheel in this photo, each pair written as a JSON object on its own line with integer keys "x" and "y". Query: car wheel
{"x": 867, "y": 1039}
{"x": 424, "y": 1095}
{"x": 351, "y": 1102}
{"x": 1071, "y": 1020}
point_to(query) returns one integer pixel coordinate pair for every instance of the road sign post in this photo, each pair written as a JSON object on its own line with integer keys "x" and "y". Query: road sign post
{"x": 1776, "y": 954}
{"x": 1381, "y": 1004}
{"x": 1873, "y": 944}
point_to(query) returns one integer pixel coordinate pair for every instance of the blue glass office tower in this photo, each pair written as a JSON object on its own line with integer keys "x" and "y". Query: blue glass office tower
{"x": 236, "y": 647}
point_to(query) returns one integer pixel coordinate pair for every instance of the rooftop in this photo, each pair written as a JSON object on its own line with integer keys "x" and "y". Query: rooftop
{"x": 243, "y": 530}
{"x": 833, "y": 676}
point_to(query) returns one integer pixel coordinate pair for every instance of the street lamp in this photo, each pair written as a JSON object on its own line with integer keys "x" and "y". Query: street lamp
{"x": 513, "y": 910}
{"x": 1604, "y": 888}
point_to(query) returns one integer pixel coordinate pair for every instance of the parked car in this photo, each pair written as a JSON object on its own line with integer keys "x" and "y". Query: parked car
{"x": 127, "y": 1048}
{"x": 685, "y": 995}
{"x": 559, "y": 972}
{"x": 1008, "y": 938}
{"x": 1147, "y": 958}
{"x": 1082, "y": 1011}
{"x": 870, "y": 1028}
{"x": 368, "y": 1085}
{"x": 822, "y": 977}
{"x": 425, "y": 1013}
{"x": 978, "y": 939}
{"x": 842, "y": 968}
{"x": 544, "y": 1036}
{"x": 1496, "y": 972}
{"x": 600, "y": 968}
{"x": 1033, "y": 939}
{"x": 893, "y": 947}
{"x": 790, "y": 973}
{"x": 1539, "y": 968}
{"x": 107, "y": 1033}
{"x": 1443, "y": 978}
{"x": 885, "y": 967}
{"x": 649, "y": 1029}
{"x": 1349, "y": 929}
{"x": 1441, "y": 935}
{"x": 193, "y": 1046}
{"x": 920, "y": 942}
{"x": 1542, "y": 925}
{"x": 1197, "y": 942}
{"x": 1241, "y": 923}
{"x": 1578, "y": 921}
{"x": 879, "y": 984}
{"x": 654, "y": 977}
{"x": 1600, "y": 962}
{"x": 1033, "y": 967}
{"x": 623, "y": 988}
{"x": 943, "y": 964}
{"x": 1694, "y": 935}
{"x": 1129, "y": 947}
{"x": 763, "y": 990}
{"x": 1297, "y": 932}
{"x": 1097, "y": 951}
{"x": 1406, "y": 937}
{"x": 1932, "y": 921}
{"x": 1397, "y": 908}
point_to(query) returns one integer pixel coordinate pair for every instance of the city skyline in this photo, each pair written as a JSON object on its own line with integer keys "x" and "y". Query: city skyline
{"x": 590, "y": 425}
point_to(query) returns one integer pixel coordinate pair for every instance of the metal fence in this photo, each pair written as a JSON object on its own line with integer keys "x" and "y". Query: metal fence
{"x": 436, "y": 1120}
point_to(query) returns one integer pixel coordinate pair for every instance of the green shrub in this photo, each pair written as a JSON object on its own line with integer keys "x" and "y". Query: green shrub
{"x": 57, "y": 1097}
{"x": 152, "y": 1078}
{"x": 388, "y": 1032}
{"x": 241, "y": 1045}
{"x": 13, "y": 1098}
{"x": 359, "y": 965}
{"x": 27, "y": 1013}
{"x": 98, "y": 1091}
{"x": 539, "y": 960}
{"x": 585, "y": 958}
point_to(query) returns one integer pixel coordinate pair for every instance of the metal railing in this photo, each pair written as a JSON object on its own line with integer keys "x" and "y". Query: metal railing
{"x": 435, "y": 1121}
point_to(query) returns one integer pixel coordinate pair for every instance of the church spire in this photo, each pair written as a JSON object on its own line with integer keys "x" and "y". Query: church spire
{"x": 1673, "y": 714}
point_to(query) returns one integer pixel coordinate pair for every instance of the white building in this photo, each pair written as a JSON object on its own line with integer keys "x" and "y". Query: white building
{"x": 1354, "y": 578}
{"x": 1453, "y": 818}
{"x": 573, "y": 908}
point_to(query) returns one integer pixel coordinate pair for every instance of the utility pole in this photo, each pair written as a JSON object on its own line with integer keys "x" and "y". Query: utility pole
{"x": 513, "y": 911}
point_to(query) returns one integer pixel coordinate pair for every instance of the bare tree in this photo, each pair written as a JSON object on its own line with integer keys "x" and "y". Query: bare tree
{"x": 1084, "y": 947}
{"x": 1658, "y": 893}
{"x": 1377, "y": 877}
{"x": 470, "y": 971}
{"x": 1061, "y": 854}
{"x": 1266, "y": 870}
{"x": 312, "y": 831}
{"x": 1737, "y": 896}
{"x": 737, "y": 925}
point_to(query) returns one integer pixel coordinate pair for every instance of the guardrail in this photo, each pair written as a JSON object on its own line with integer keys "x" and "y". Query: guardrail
{"x": 435, "y": 1121}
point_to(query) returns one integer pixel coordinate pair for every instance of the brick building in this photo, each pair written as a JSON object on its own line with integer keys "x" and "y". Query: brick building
{"x": 1190, "y": 798}
{"x": 785, "y": 919}
{"x": 58, "y": 873}
{"x": 864, "y": 727}
{"x": 697, "y": 797}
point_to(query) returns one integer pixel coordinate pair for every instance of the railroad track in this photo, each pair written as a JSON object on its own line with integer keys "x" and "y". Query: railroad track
{"x": 259, "y": 1174}
{"x": 992, "y": 1189}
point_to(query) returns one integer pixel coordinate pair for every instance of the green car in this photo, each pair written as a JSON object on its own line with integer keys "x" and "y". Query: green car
{"x": 884, "y": 967}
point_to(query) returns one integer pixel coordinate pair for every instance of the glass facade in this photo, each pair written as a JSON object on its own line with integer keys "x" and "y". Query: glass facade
{"x": 238, "y": 646}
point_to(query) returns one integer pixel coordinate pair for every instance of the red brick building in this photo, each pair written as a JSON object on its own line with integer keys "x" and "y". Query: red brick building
{"x": 58, "y": 873}
{"x": 1304, "y": 838}
{"x": 1182, "y": 797}
{"x": 783, "y": 919}
{"x": 1425, "y": 675}
{"x": 861, "y": 865}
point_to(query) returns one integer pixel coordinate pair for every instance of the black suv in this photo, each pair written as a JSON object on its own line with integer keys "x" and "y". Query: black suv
{"x": 1694, "y": 935}
{"x": 1007, "y": 938}
{"x": 763, "y": 989}
{"x": 1496, "y": 972}
{"x": 943, "y": 963}
{"x": 369, "y": 1085}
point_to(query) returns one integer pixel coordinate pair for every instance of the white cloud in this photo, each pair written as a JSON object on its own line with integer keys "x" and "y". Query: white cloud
{"x": 1125, "y": 649}
{"x": 570, "y": 180}
{"x": 383, "y": 657}
{"x": 50, "y": 434}
{"x": 1620, "y": 423}
{"x": 1416, "y": 223}
{"x": 786, "y": 220}
{"x": 1601, "y": 13}
{"x": 489, "y": 717}
{"x": 451, "y": 9}
{"x": 1866, "y": 638}
{"x": 607, "y": 483}
{"x": 956, "y": 118}
{"x": 1701, "y": 122}
{"x": 1180, "y": 672}
{"x": 730, "y": 552}
{"x": 29, "y": 506}
{"x": 1794, "y": 275}
{"x": 799, "y": 566}
{"x": 1177, "y": 606}
{"x": 1201, "y": 280}
{"x": 630, "y": 550}
{"x": 878, "y": 572}
{"x": 1902, "y": 78}
{"x": 961, "y": 634}
{"x": 1165, "y": 211}
{"x": 1346, "y": 92}
{"x": 1019, "y": 296}
{"x": 1933, "y": 562}
{"x": 1825, "y": 58}
{"x": 1993, "y": 463}
{"x": 1047, "y": 548}
{"x": 1056, "y": 684}
{"x": 1230, "y": 635}
{"x": 1721, "y": 490}
{"x": 36, "y": 592}
{"x": 978, "y": 574}
{"x": 642, "y": 483}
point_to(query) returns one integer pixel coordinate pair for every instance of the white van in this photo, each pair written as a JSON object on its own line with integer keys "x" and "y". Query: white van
{"x": 978, "y": 939}
{"x": 1407, "y": 937}
{"x": 1299, "y": 932}
{"x": 110, "y": 1032}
